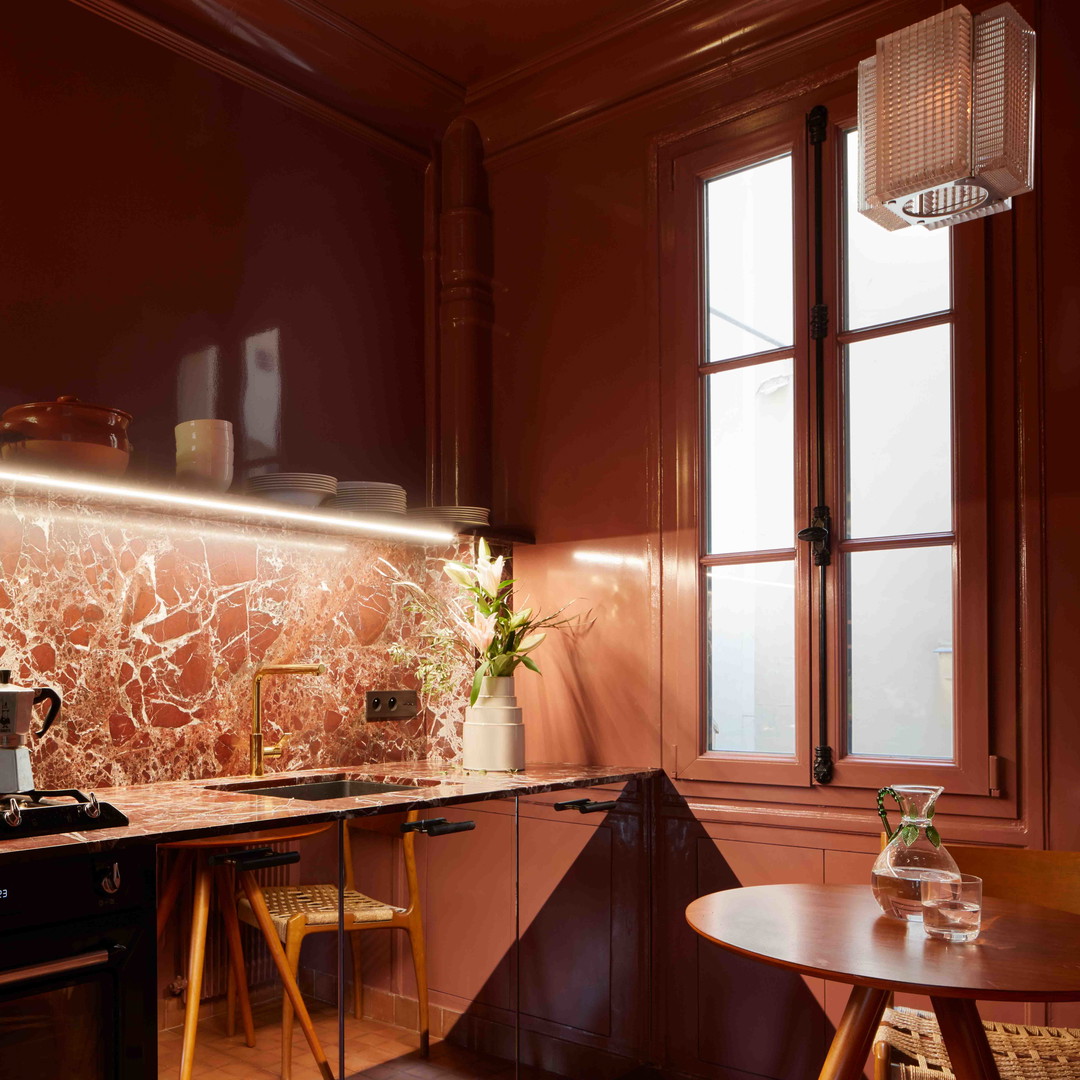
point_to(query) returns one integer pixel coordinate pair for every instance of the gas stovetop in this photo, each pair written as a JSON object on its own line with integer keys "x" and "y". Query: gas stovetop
{"x": 38, "y": 813}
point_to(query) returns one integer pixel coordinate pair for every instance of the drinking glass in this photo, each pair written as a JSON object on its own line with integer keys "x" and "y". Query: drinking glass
{"x": 952, "y": 908}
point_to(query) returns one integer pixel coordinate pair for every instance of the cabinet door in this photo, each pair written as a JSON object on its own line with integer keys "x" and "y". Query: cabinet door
{"x": 468, "y": 885}
{"x": 721, "y": 1015}
{"x": 583, "y": 932}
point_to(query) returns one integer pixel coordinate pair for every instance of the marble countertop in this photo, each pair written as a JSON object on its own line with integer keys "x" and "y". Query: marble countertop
{"x": 187, "y": 809}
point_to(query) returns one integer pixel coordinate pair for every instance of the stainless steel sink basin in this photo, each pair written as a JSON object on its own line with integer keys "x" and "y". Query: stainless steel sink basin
{"x": 317, "y": 790}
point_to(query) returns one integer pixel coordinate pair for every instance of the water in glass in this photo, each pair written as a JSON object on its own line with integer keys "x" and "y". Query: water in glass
{"x": 953, "y": 920}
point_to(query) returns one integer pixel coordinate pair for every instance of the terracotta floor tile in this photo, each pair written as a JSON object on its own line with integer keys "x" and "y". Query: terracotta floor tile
{"x": 373, "y": 1051}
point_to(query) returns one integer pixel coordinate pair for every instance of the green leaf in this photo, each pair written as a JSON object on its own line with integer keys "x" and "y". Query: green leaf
{"x": 932, "y": 836}
{"x": 475, "y": 692}
{"x": 909, "y": 833}
{"x": 931, "y": 812}
{"x": 530, "y": 664}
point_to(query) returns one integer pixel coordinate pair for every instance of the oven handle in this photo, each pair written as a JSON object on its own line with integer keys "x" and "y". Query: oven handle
{"x": 59, "y": 967}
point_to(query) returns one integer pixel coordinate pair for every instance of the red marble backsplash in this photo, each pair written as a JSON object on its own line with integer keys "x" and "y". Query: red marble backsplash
{"x": 151, "y": 627}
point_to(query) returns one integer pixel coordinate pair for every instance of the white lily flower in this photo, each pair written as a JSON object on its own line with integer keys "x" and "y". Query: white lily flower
{"x": 520, "y": 618}
{"x": 489, "y": 574}
{"x": 459, "y": 574}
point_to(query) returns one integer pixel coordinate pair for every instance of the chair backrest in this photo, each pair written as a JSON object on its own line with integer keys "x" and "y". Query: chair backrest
{"x": 1048, "y": 878}
{"x": 389, "y": 824}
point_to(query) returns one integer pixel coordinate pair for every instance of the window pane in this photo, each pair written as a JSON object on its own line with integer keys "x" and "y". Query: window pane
{"x": 899, "y": 434}
{"x": 890, "y": 275}
{"x": 751, "y": 457}
{"x": 752, "y": 658}
{"x": 900, "y": 701}
{"x": 749, "y": 260}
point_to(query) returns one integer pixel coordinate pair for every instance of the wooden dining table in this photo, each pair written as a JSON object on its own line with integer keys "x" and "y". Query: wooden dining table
{"x": 837, "y": 932}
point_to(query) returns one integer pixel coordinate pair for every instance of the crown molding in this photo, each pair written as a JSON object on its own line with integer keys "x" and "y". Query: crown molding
{"x": 304, "y": 55}
{"x": 342, "y": 25}
{"x": 686, "y": 50}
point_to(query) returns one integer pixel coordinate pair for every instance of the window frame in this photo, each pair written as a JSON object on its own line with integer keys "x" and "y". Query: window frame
{"x": 683, "y": 167}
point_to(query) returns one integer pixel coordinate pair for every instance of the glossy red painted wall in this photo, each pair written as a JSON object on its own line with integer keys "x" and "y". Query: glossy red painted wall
{"x": 153, "y": 209}
{"x": 577, "y": 456}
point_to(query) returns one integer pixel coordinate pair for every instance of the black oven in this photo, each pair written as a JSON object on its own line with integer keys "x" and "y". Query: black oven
{"x": 77, "y": 967}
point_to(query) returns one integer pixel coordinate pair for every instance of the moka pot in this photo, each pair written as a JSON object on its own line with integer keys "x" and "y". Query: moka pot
{"x": 16, "y": 719}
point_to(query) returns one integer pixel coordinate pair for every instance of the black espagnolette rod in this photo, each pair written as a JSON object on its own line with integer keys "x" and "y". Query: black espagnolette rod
{"x": 257, "y": 858}
{"x": 438, "y": 826}
{"x": 586, "y": 806}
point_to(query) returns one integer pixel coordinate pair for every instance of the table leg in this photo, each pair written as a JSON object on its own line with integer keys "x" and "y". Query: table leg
{"x": 855, "y": 1034}
{"x": 965, "y": 1039}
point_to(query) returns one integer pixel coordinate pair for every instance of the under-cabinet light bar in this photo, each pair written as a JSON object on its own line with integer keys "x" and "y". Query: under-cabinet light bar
{"x": 264, "y": 510}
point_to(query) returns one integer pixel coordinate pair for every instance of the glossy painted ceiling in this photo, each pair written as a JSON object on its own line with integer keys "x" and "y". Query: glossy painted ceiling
{"x": 472, "y": 41}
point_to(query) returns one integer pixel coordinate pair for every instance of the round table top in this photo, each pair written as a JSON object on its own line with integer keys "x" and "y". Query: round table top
{"x": 1024, "y": 952}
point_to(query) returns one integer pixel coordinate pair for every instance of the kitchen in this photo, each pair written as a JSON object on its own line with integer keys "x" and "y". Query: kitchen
{"x": 211, "y": 194}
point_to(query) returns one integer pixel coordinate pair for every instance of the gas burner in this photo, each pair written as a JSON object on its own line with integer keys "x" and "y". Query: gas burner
{"x": 40, "y": 813}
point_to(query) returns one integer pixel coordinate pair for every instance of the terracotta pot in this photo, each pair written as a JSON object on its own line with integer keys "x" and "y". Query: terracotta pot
{"x": 67, "y": 433}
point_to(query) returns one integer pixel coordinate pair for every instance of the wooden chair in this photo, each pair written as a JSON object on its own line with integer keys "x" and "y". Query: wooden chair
{"x": 201, "y": 852}
{"x": 908, "y": 1044}
{"x": 299, "y": 910}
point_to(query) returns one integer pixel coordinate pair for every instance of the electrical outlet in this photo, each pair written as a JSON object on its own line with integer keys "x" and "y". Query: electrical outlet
{"x": 391, "y": 704}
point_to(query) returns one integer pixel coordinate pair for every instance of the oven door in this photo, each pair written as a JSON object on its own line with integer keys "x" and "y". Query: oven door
{"x": 77, "y": 996}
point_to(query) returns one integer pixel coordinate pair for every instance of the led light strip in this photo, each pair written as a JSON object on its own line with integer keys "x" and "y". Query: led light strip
{"x": 227, "y": 507}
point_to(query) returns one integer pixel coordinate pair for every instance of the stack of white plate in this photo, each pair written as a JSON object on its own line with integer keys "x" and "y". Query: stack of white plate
{"x": 452, "y": 515}
{"x": 368, "y": 497}
{"x": 299, "y": 489}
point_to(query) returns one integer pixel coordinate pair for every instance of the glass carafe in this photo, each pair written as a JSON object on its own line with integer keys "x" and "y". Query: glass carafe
{"x": 914, "y": 853}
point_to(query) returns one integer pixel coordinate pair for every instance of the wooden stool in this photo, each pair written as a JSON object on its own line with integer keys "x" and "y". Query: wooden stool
{"x": 295, "y": 911}
{"x": 205, "y": 874}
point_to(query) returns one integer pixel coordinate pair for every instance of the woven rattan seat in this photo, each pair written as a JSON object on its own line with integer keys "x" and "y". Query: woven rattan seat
{"x": 1020, "y": 1053}
{"x": 318, "y": 904}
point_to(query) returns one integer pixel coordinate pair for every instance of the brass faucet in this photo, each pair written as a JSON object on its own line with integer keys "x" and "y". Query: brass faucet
{"x": 257, "y": 751}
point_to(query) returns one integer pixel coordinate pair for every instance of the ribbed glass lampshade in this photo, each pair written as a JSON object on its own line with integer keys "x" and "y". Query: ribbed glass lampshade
{"x": 946, "y": 118}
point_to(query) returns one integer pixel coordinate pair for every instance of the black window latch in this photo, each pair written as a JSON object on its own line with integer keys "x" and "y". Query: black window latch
{"x": 817, "y": 535}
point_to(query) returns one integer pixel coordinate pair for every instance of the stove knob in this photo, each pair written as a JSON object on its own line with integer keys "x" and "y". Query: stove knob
{"x": 110, "y": 882}
{"x": 13, "y": 814}
{"x": 92, "y": 808}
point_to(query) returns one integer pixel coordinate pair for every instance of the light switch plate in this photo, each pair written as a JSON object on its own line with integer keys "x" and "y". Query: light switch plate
{"x": 391, "y": 704}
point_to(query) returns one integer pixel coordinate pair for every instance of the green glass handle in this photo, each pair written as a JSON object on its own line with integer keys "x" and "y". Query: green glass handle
{"x": 882, "y": 792}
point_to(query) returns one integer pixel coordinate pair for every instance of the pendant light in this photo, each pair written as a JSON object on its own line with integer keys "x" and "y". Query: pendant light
{"x": 947, "y": 119}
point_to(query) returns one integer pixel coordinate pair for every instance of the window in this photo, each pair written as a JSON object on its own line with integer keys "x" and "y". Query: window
{"x": 828, "y": 360}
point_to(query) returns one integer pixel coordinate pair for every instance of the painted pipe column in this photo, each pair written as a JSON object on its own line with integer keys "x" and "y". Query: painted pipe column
{"x": 463, "y": 465}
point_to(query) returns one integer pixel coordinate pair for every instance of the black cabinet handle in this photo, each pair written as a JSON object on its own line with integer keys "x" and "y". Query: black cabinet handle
{"x": 257, "y": 858}
{"x": 586, "y": 806}
{"x": 437, "y": 826}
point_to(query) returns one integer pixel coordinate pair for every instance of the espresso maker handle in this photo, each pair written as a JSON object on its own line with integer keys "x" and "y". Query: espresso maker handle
{"x": 46, "y": 694}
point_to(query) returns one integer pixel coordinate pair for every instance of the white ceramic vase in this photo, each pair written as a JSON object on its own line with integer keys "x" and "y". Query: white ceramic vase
{"x": 494, "y": 738}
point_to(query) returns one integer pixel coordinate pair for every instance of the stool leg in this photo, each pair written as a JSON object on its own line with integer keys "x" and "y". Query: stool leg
{"x": 266, "y": 925}
{"x": 419, "y": 958}
{"x": 170, "y": 890}
{"x": 200, "y": 912}
{"x": 357, "y": 975}
{"x": 226, "y": 892}
{"x": 294, "y": 938}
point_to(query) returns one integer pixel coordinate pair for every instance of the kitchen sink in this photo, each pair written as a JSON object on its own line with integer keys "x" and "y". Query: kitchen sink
{"x": 317, "y": 790}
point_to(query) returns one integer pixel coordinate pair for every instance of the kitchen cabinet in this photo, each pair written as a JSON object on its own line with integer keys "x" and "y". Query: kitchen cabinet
{"x": 715, "y": 1010}
{"x": 583, "y": 945}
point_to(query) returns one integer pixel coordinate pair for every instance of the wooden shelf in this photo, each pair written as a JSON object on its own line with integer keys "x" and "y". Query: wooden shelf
{"x": 498, "y": 534}
{"x": 238, "y": 510}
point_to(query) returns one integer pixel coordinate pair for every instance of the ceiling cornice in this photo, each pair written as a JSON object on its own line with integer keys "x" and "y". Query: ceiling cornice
{"x": 305, "y": 55}
{"x": 667, "y": 55}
